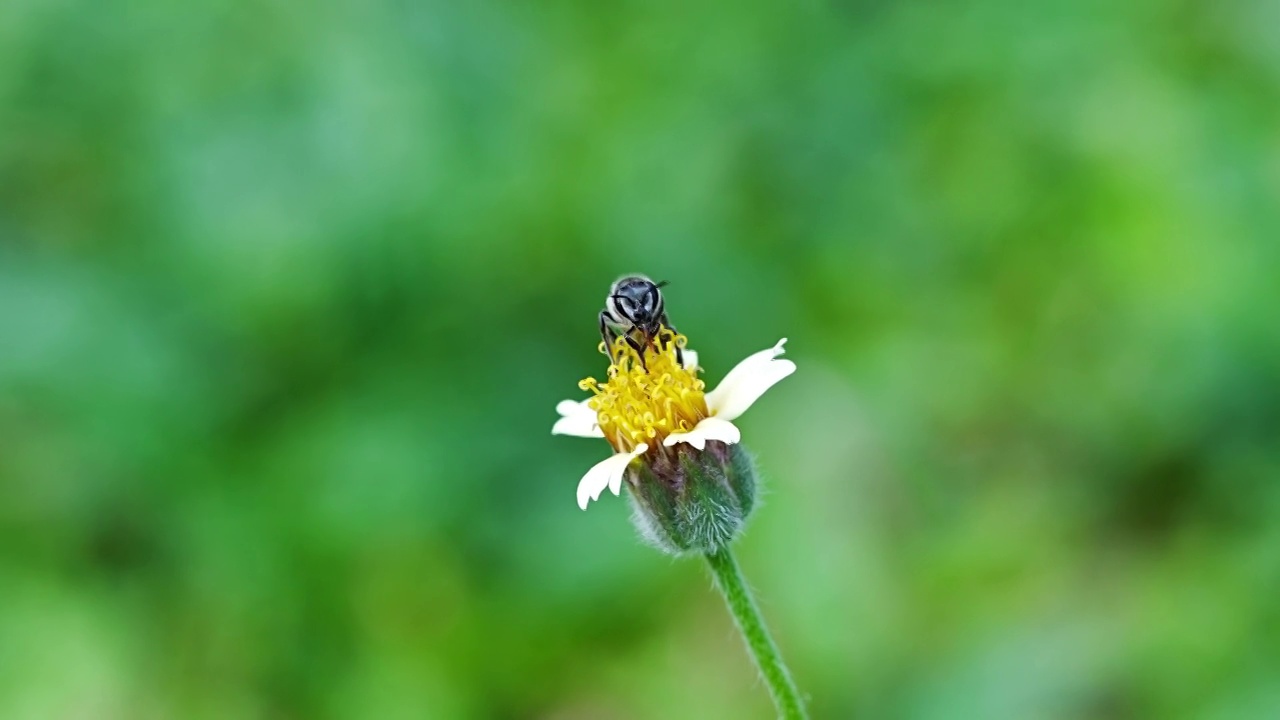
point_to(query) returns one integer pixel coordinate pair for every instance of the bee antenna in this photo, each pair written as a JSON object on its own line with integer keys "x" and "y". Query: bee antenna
{"x": 664, "y": 283}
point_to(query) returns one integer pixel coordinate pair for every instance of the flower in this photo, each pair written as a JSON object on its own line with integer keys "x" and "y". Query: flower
{"x": 647, "y": 408}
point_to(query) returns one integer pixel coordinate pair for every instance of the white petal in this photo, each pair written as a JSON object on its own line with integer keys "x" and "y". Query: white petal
{"x": 606, "y": 474}
{"x": 690, "y": 359}
{"x": 569, "y": 407}
{"x": 747, "y": 381}
{"x": 578, "y": 420}
{"x": 615, "y": 482}
{"x": 746, "y": 367}
{"x": 712, "y": 428}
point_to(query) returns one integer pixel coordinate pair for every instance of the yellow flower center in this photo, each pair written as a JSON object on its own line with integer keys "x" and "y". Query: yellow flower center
{"x": 644, "y": 402}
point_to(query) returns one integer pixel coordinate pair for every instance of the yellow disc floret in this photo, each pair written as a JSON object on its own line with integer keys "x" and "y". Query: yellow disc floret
{"x": 645, "y": 401}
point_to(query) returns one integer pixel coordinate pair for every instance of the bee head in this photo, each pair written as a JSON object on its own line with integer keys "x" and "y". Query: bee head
{"x": 637, "y": 299}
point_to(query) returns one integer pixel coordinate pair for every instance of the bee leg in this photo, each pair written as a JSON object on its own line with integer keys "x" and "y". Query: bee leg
{"x": 679, "y": 353}
{"x": 606, "y": 335}
{"x": 635, "y": 345}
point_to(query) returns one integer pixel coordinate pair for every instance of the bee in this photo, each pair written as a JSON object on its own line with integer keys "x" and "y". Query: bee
{"x": 635, "y": 309}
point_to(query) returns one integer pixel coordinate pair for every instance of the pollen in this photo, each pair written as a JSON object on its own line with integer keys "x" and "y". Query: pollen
{"x": 645, "y": 401}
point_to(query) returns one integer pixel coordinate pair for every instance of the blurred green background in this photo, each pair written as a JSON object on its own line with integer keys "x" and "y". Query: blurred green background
{"x": 288, "y": 293}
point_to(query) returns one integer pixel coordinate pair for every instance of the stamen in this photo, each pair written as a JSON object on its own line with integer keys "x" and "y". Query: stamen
{"x": 646, "y": 401}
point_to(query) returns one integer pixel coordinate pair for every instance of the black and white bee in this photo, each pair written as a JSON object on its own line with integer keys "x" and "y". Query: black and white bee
{"x": 635, "y": 309}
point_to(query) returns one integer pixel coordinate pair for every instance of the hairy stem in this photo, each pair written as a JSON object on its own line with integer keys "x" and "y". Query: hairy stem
{"x": 747, "y": 617}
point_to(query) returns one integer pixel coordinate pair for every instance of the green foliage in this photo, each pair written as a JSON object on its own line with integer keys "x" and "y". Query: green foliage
{"x": 288, "y": 294}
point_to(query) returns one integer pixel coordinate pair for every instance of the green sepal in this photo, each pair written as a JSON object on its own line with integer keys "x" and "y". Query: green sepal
{"x": 742, "y": 478}
{"x": 686, "y": 500}
{"x": 653, "y": 510}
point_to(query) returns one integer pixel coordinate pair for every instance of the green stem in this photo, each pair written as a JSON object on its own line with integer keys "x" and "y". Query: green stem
{"x": 747, "y": 617}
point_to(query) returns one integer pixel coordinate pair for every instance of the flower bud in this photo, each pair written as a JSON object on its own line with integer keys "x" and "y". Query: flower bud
{"x": 688, "y": 500}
